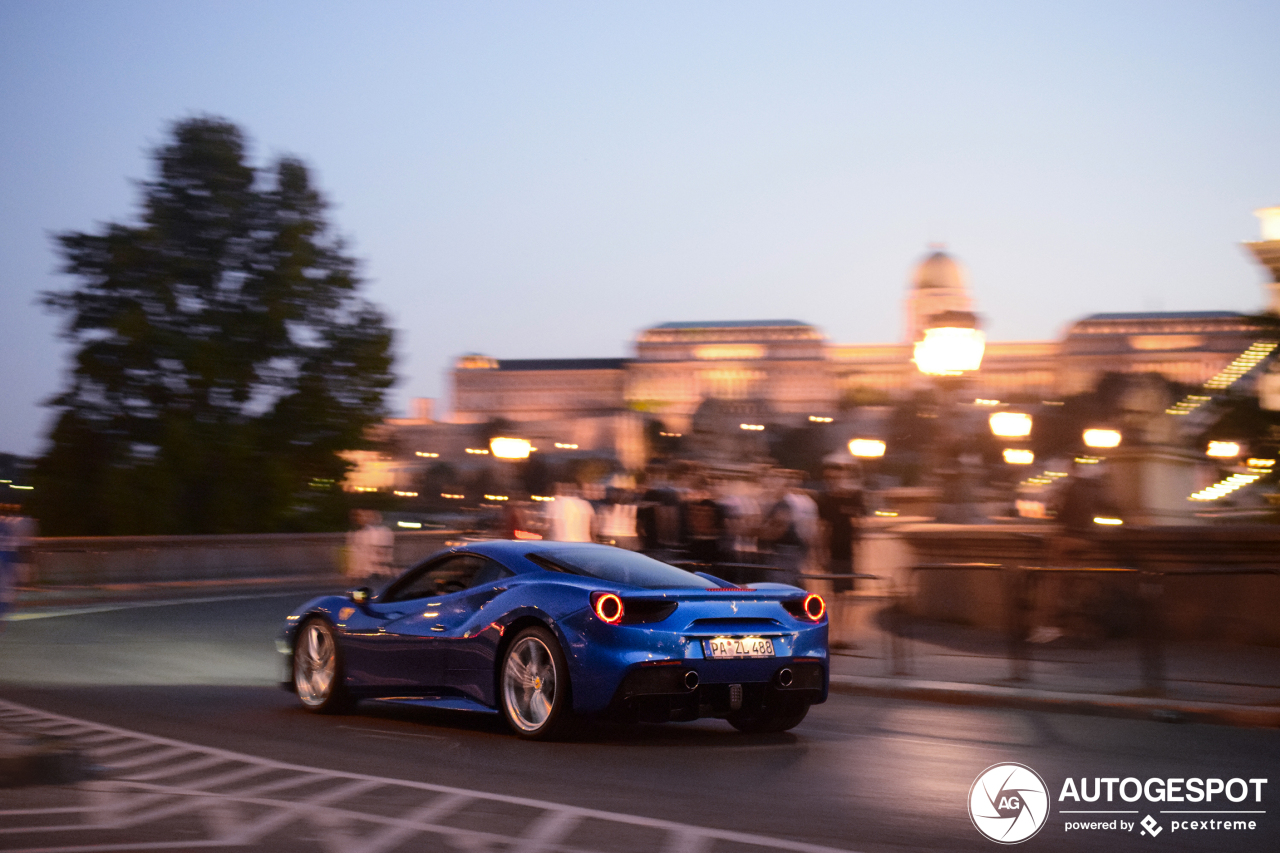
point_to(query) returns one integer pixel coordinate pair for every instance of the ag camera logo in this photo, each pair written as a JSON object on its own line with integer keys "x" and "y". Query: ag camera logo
{"x": 1008, "y": 803}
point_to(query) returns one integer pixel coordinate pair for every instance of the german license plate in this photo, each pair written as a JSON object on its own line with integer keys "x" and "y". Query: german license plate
{"x": 738, "y": 647}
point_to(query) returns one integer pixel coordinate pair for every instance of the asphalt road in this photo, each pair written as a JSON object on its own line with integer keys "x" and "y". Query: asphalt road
{"x": 859, "y": 774}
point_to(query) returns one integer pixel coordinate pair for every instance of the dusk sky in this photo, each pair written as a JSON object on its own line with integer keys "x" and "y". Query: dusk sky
{"x": 535, "y": 180}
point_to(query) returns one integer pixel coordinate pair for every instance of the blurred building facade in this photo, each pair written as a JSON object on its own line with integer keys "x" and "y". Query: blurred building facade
{"x": 787, "y": 372}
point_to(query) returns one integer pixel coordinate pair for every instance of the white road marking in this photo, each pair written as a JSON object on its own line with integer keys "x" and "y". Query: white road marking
{"x": 54, "y": 613}
{"x": 235, "y": 814}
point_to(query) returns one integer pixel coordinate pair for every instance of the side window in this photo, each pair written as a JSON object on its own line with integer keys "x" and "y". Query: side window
{"x": 451, "y": 574}
{"x": 490, "y": 572}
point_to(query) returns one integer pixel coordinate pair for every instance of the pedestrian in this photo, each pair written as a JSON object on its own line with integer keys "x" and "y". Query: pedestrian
{"x": 1059, "y": 599}
{"x": 841, "y": 506}
{"x": 617, "y": 519}
{"x": 370, "y": 547}
{"x": 704, "y": 524}
{"x": 571, "y": 518}
{"x": 780, "y": 534}
{"x": 16, "y": 533}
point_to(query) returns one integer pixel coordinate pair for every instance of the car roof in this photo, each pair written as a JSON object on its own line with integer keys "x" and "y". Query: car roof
{"x": 512, "y": 551}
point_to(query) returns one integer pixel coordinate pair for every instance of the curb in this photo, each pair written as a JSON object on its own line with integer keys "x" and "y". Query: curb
{"x": 1097, "y": 704}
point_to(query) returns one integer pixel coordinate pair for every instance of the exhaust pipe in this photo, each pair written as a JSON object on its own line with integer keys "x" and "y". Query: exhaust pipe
{"x": 691, "y": 679}
{"x": 785, "y": 677}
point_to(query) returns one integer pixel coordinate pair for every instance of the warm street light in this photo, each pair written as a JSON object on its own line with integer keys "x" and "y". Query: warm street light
{"x": 1223, "y": 449}
{"x": 1010, "y": 424}
{"x": 510, "y": 448}
{"x": 866, "y": 448}
{"x": 1019, "y": 456}
{"x": 952, "y": 345}
{"x": 1101, "y": 438}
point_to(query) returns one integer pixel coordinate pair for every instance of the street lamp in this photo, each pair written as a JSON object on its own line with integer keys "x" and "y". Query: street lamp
{"x": 866, "y": 448}
{"x": 510, "y": 448}
{"x": 1101, "y": 438}
{"x": 1010, "y": 424}
{"x": 1223, "y": 449}
{"x": 952, "y": 345}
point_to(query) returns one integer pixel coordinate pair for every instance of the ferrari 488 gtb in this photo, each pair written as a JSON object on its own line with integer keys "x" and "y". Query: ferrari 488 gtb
{"x": 545, "y": 631}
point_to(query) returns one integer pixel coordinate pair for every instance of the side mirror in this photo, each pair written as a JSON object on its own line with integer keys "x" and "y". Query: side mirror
{"x": 360, "y": 595}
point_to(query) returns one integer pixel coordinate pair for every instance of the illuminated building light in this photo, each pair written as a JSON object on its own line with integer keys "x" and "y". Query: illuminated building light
{"x": 1243, "y": 363}
{"x": 411, "y": 525}
{"x": 565, "y": 446}
{"x": 1224, "y": 487}
{"x": 546, "y": 498}
{"x": 1018, "y": 456}
{"x": 752, "y": 427}
{"x": 886, "y": 513}
{"x": 1101, "y": 438}
{"x": 1261, "y": 463}
{"x": 1107, "y": 520}
{"x": 365, "y": 489}
{"x": 867, "y": 448}
{"x": 1188, "y": 404}
{"x": 818, "y": 419}
{"x": 478, "y": 451}
{"x": 1088, "y": 460}
{"x": 1010, "y": 424}
{"x": 949, "y": 351}
{"x": 1223, "y": 449}
{"x": 671, "y": 434}
{"x": 510, "y": 448}
{"x": 425, "y": 455}
{"x": 496, "y": 498}
{"x": 452, "y": 497}
{"x": 21, "y": 488}
{"x": 405, "y": 494}
{"x": 1031, "y": 509}
{"x": 982, "y": 402}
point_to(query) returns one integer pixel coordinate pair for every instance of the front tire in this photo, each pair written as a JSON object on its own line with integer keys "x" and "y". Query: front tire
{"x": 317, "y": 669}
{"x": 533, "y": 685}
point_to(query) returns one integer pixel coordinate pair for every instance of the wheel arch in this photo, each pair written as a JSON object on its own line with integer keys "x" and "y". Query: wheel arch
{"x": 510, "y": 631}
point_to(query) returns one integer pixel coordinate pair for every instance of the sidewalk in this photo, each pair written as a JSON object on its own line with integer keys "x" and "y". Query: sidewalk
{"x": 929, "y": 661}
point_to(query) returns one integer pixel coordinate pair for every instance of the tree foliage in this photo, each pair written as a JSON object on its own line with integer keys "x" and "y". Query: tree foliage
{"x": 223, "y": 354}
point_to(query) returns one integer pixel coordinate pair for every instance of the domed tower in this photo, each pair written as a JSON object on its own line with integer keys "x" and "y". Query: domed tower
{"x": 938, "y": 284}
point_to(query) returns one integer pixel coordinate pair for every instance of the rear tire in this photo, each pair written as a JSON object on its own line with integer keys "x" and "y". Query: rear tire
{"x": 318, "y": 672}
{"x": 533, "y": 685}
{"x": 782, "y": 714}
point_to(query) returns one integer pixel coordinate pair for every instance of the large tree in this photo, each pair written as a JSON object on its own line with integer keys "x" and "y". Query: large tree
{"x": 223, "y": 354}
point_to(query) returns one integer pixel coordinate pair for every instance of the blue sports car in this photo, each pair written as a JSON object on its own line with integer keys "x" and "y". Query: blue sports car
{"x": 545, "y": 631}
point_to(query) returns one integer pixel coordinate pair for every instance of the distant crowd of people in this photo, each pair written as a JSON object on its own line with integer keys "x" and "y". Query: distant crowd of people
{"x": 694, "y": 516}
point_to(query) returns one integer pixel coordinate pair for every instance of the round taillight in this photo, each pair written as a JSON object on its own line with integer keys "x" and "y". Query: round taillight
{"x": 814, "y": 606}
{"x": 609, "y": 608}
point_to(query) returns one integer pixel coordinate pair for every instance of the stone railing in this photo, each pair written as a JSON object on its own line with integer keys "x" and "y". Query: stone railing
{"x": 1208, "y": 582}
{"x": 150, "y": 559}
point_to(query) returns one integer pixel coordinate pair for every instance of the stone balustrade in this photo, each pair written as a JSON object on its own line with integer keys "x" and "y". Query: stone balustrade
{"x": 150, "y": 559}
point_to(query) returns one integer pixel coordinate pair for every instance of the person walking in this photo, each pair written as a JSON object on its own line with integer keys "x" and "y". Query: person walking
{"x": 841, "y": 506}
{"x": 370, "y": 547}
{"x": 16, "y": 533}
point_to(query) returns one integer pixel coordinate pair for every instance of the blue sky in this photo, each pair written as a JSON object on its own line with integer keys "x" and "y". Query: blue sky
{"x": 546, "y": 179}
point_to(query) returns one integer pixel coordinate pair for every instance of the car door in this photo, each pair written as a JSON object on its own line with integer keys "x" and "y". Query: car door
{"x": 399, "y": 646}
{"x": 468, "y": 639}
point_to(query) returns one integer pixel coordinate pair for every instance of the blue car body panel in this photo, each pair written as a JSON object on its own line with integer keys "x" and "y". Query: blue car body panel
{"x": 445, "y": 649}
